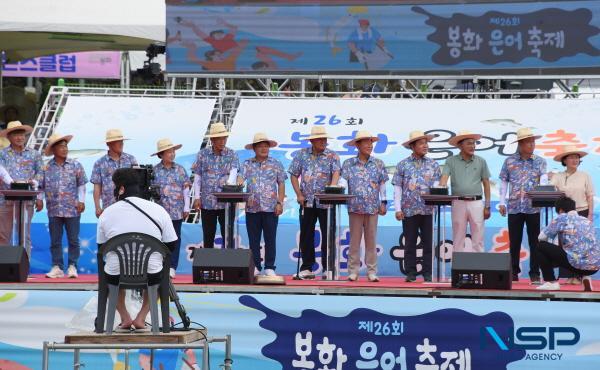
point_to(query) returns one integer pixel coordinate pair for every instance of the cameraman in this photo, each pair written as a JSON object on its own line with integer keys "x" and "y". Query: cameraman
{"x": 125, "y": 216}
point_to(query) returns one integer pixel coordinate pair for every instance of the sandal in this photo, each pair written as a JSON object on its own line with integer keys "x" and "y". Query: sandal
{"x": 121, "y": 329}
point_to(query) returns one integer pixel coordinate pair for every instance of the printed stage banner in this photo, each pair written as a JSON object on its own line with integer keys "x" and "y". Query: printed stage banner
{"x": 393, "y": 36}
{"x": 290, "y": 332}
{"x": 289, "y": 121}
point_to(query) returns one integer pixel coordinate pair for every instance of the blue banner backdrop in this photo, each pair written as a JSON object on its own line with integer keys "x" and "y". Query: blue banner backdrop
{"x": 385, "y": 37}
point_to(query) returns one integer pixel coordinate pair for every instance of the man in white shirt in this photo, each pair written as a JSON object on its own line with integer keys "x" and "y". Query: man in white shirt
{"x": 122, "y": 217}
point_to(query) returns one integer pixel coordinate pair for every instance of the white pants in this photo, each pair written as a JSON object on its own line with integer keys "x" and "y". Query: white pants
{"x": 363, "y": 225}
{"x": 470, "y": 211}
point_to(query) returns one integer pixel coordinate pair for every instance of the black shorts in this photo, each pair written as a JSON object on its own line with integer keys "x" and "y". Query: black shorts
{"x": 153, "y": 279}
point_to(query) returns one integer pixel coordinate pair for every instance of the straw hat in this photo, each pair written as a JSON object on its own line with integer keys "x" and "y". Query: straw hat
{"x": 568, "y": 150}
{"x": 165, "y": 144}
{"x": 415, "y": 136}
{"x": 114, "y": 134}
{"x": 462, "y": 135}
{"x": 360, "y": 136}
{"x": 15, "y": 126}
{"x": 318, "y": 132}
{"x": 259, "y": 138}
{"x": 218, "y": 129}
{"x": 525, "y": 133}
{"x": 54, "y": 139}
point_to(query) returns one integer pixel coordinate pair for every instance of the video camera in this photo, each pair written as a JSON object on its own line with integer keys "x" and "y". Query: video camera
{"x": 145, "y": 174}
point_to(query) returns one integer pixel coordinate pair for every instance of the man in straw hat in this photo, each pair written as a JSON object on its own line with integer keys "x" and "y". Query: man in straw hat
{"x": 311, "y": 170}
{"x": 63, "y": 182}
{"x": 520, "y": 173}
{"x": 105, "y": 167}
{"x": 414, "y": 176}
{"x": 365, "y": 176}
{"x": 174, "y": 186}
{"x": 212, "y": 168}
{"x": 265, "y": 180}
{"x": 22, "y": 164}
{"x": 467, "y": 172}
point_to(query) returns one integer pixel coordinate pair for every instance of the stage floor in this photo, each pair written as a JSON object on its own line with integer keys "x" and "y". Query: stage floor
{"x": 388, "y": 286}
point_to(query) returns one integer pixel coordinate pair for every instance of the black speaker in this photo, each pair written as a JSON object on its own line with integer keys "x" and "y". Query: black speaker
{"x": 229, "y": 266}
{"x": 481, "y": 270}
{"x": 14, "y": 264}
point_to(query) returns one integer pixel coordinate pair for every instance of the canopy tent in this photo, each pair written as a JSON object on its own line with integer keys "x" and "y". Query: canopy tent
{"x": 30, "y": 28}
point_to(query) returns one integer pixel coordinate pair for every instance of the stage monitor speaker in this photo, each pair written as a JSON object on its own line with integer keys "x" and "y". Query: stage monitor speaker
{"x": 229, "y": 266}
{"x": 14, "y": 264}
{"x": 481, "y": 270}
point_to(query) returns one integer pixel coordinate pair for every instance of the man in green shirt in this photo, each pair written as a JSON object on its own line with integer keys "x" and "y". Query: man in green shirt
{"x": 467, "y": 173}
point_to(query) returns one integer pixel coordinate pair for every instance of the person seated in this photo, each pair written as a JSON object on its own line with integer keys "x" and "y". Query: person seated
{"x": 123, "y": 217}
{"x": 577, "y": 250}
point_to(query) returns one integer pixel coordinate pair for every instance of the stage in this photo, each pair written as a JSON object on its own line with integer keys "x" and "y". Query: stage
{"x": 388, "y": 287}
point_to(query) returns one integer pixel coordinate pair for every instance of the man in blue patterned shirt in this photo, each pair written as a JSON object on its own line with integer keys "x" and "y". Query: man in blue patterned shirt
{"x": 22, "y": 164}
{"x": 577, "y": 250}
{"x": 105, "y": 167}
{"x": 520, "y": 173}
{"x": 212, "y": 168}
{"x": 174, "y": 186}
{"x": 366, "y": 177}
{"x": 413, "y": 177}
{"x": 265, "y": 181}
{"x": 311, "y": 170}
{"x": 63, "y": 183}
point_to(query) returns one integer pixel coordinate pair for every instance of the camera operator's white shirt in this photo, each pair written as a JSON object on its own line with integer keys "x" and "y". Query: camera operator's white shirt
{"x": 121, "y": 217}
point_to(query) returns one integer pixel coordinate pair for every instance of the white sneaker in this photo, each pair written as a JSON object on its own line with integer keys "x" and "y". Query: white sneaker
{"x": 72, "y": 272}
{"x": 257, "y": 272}
{"x": 306, "y": 274}
{"x": 172, "y": 273}
{"x": 55, "y": 272}
{"x": 373, "y": 278}
{"x": 270, "y": 272}
{"x": 352, "y": 277}
{"x": 549, "y": 285}
{"x": 587, "y": 284}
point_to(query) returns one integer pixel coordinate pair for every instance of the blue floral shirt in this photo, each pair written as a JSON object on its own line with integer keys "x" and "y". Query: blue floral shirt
{"x": 22, "y": 166}
{"x": 522, "y": 175}
{"x": 415, "y": 176}
{"x": 102, "y": 175}
{"x": 262, "y": 181}
{"x": 578, "y": 238}
{"x": 363, "y": 181}
{"x": 60, "y": 183}
{"x": 171, "y": 182}
{"x": 315, "y": 172}
{"x": 213, "y": 171}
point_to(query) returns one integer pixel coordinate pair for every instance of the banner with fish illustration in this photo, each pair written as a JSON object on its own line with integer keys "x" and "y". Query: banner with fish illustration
{"x": 275, "y": 331}
{"x": 145, "y": 120}
{"x": 395, "y": 36}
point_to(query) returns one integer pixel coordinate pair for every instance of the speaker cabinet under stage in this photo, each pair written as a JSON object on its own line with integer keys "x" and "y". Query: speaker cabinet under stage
{"x": 481, "y": 270}
{"x": 14, "y": 264}
{"x": 229, "y": 266}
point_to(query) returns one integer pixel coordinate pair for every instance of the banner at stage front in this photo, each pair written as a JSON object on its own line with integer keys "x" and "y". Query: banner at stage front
{"x": 292, "y": 332}
{"x": 484, "y": 38}
{"x": 92, "y": 64}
